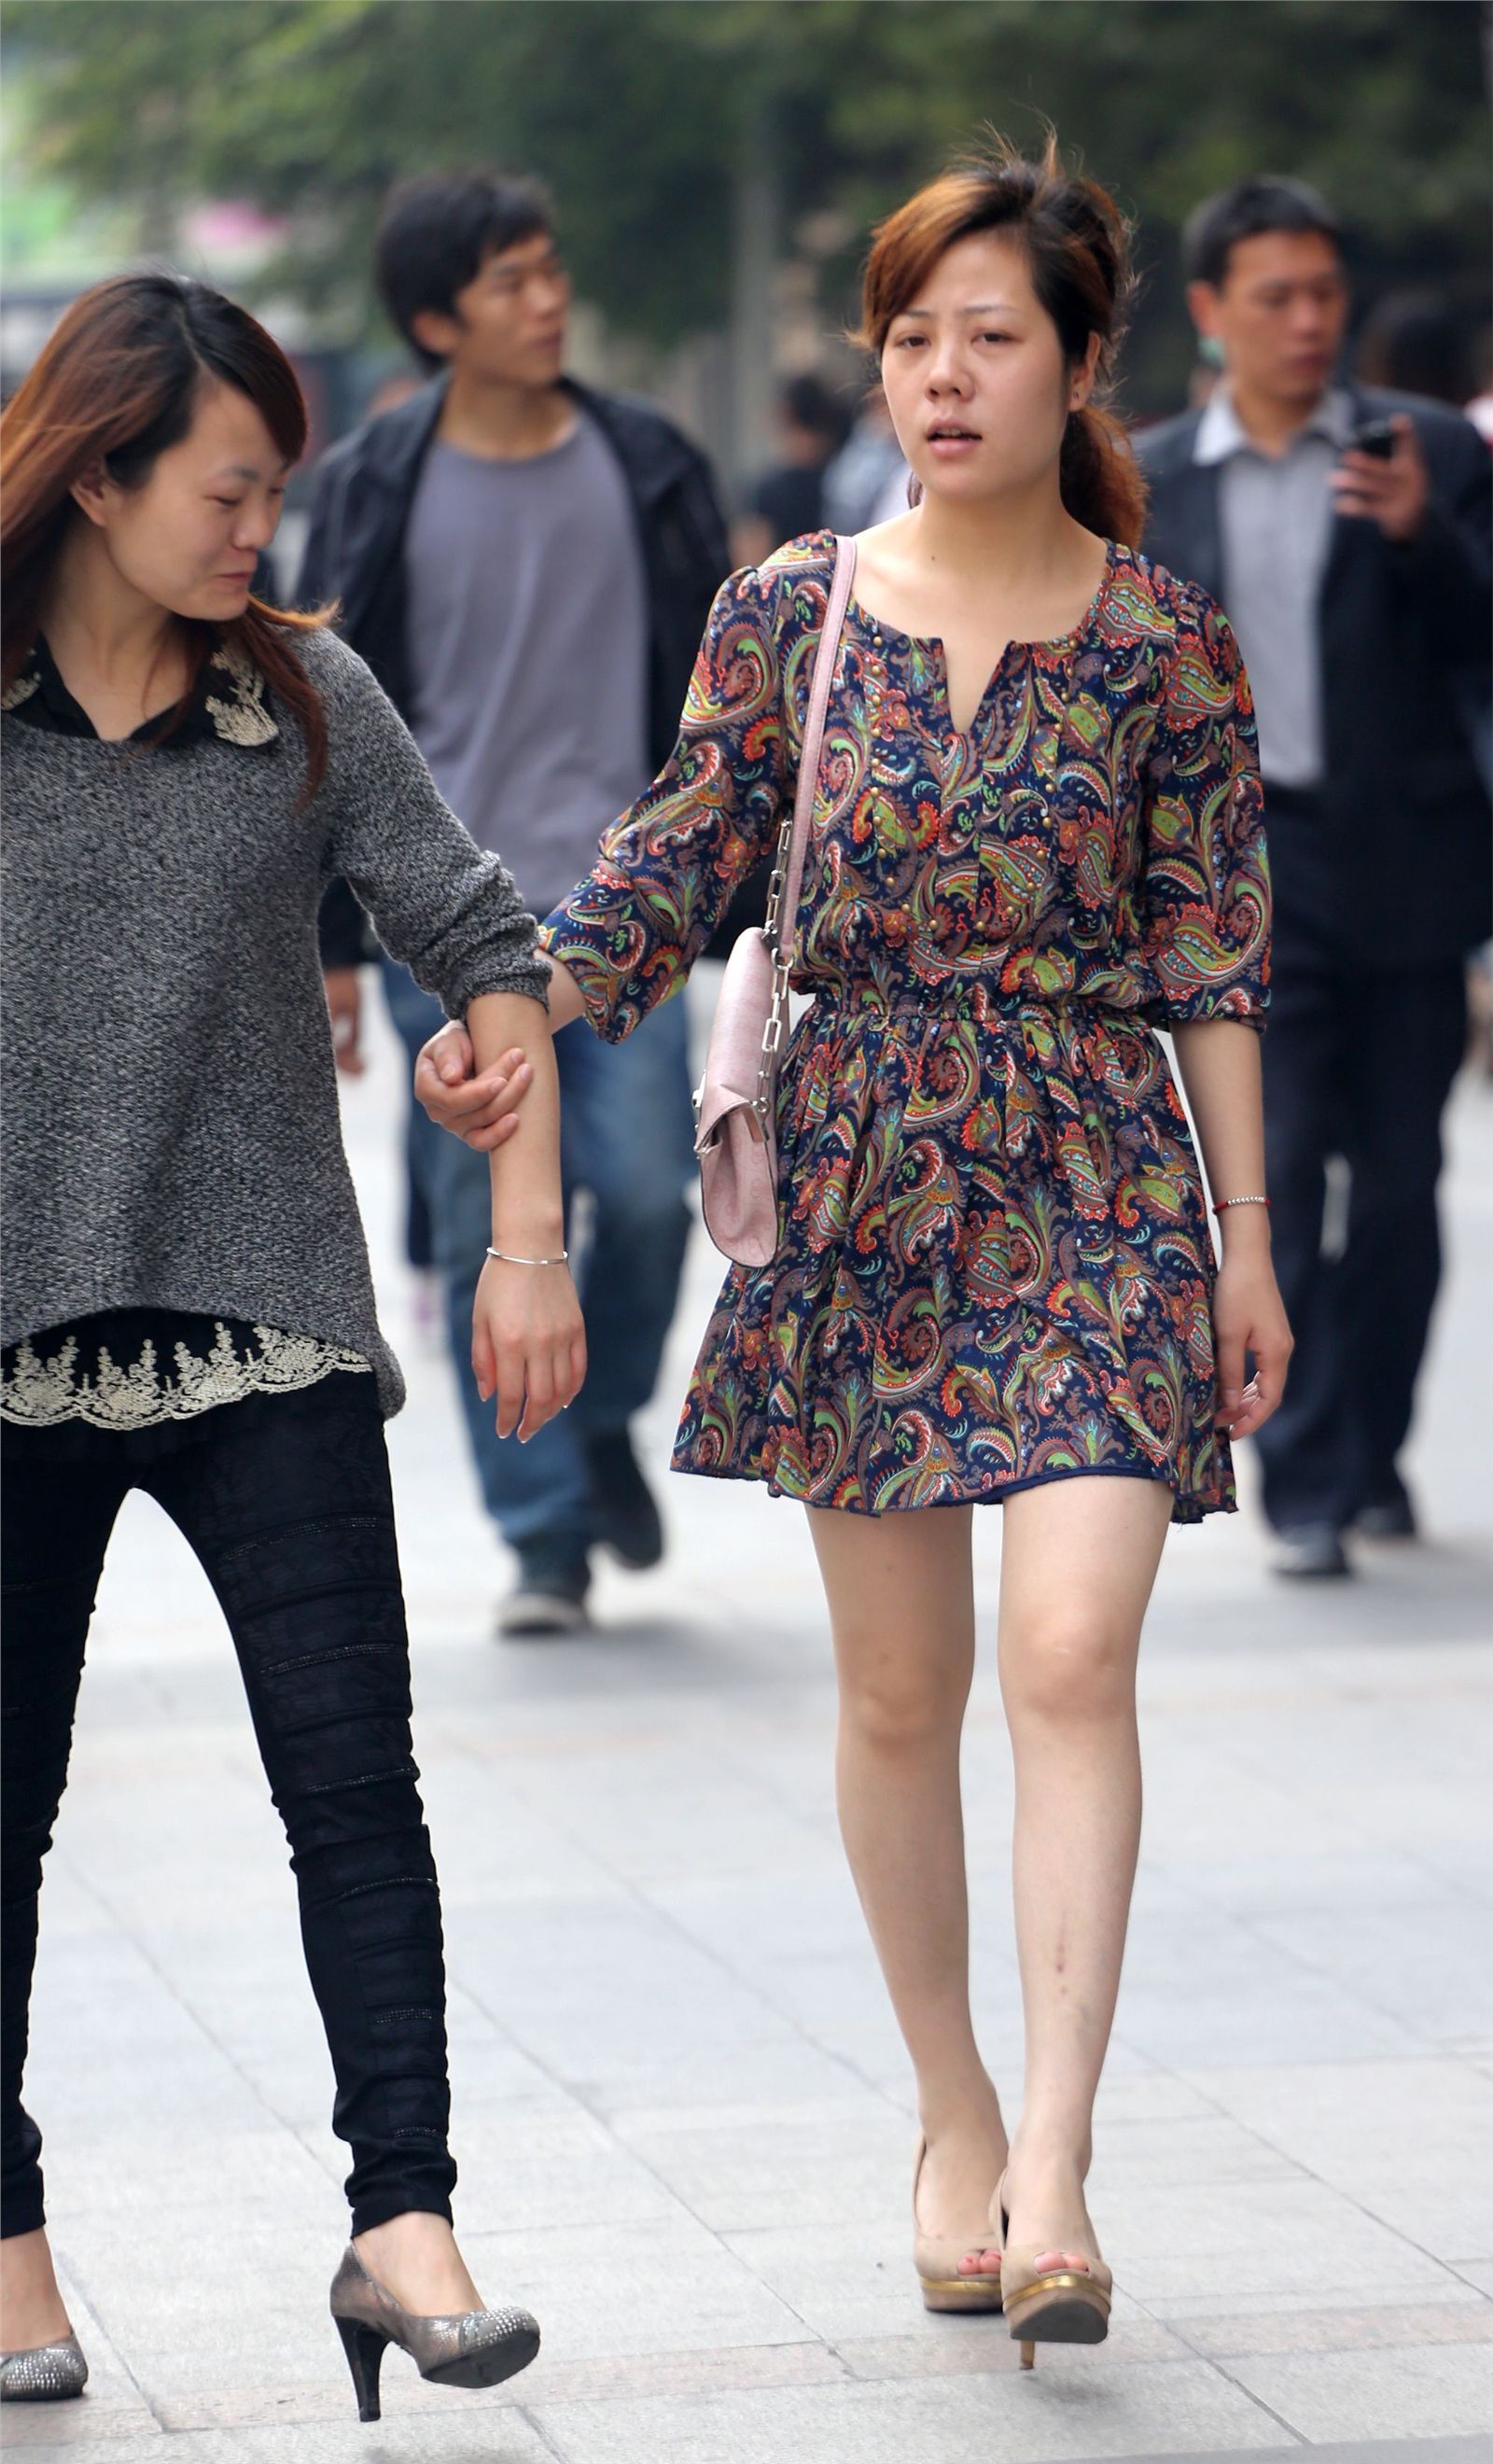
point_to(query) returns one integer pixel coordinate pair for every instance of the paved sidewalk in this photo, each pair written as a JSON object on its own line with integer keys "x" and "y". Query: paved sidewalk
{"x": 683, "y": 2114}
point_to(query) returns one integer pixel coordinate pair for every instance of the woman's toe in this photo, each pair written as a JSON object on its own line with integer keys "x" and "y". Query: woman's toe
{"x": 1072, "y": 2260}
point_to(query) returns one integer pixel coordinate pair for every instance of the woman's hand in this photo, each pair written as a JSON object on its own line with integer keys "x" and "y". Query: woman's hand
{"x": 483, "y": 1112}
{"x": 1248, "y": 1317}
{"x": 528, "y": 1343}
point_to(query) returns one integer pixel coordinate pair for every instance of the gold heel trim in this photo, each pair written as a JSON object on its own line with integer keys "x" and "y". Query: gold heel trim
{"x": 1069, "y": 2280}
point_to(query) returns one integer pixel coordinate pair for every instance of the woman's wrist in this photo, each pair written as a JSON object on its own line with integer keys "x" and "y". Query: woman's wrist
{"x": 1244, "y": 1231}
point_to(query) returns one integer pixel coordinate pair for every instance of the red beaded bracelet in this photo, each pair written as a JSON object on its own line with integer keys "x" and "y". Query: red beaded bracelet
{"x": 1223, "y": 1204}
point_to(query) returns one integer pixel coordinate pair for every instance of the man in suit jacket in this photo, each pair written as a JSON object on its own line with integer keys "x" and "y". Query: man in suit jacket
{"x": 1358, "y": 584}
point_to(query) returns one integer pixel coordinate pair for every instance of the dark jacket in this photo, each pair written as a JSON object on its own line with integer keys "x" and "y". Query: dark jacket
{"x": 1406, "y": 635}
{"x": 364, "y": 488}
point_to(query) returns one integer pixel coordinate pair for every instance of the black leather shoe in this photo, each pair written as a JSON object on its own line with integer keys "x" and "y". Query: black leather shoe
{"x": 1391, "y": 1518}
{"x": 623, "y": 1507}
{"x": 1311, "y": 1552}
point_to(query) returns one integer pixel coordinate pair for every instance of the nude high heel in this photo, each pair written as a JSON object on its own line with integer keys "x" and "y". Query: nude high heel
{"x": 1055, "y": 2305}
{"x": 938, "y": 2264}
{"x": 471, "y": 2349}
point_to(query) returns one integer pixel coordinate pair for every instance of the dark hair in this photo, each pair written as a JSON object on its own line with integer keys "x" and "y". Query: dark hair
{"x": 436, "y": 232}
{"x": 809, "y": 403}
{"x": 1415, "y": 342}
{"x": 118, "y": 383}
{"x": 1077, "y": 245}
{"x": 1252, "y": 207}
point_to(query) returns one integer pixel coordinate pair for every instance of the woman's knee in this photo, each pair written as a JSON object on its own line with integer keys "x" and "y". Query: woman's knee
{"x": 1069, "y": 1668}
{"x": 898, "y": 1698}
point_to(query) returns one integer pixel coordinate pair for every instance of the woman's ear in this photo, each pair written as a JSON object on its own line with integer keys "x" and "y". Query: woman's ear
{"x": 1082, "y": 378}
{"x": 91, "y": 492}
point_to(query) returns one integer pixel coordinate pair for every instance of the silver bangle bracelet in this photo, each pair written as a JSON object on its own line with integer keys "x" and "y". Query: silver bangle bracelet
{"x": 507, "y": 1258}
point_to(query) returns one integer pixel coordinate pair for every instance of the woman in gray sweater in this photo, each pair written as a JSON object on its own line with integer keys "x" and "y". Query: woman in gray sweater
{"x": 188, "y": 1302}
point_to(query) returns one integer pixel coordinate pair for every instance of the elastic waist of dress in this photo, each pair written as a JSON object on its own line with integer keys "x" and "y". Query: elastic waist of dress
{"x": 975, "y": 999}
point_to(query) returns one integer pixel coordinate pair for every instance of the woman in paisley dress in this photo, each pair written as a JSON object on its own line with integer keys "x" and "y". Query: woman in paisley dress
{"x": 1037, "y": 840}
{"x": 189, "y": 1309}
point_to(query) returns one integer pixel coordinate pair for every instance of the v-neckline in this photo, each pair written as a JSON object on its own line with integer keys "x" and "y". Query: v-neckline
{"x": 965, "y": 739}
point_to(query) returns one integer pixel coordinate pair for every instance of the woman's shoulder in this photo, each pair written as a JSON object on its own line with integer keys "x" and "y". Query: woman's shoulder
{"x": 787, "y": 589}
{"x": 328, "y": 662}
{"x": 1179, "y": 610}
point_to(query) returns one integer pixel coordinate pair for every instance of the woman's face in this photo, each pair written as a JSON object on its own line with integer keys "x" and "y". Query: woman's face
{"x": 190, "y": 536}
{"x": 975, "y": 376}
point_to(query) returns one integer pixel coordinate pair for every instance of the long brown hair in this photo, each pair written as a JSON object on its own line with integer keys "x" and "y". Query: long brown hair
{"x": 116, "y": 385}
{"x": 1077, "y": 246}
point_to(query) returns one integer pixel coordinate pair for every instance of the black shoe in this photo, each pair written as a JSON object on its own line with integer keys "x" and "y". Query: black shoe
{"x": 549, "y": 1597}
{"x": 1390, "y": 1518}
{"x": 622, "y": 1508}
{"x": 1311, "y": 1552}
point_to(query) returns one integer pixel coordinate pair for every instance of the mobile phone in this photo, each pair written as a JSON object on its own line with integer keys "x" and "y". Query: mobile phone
{"x": 1375, "y": 436}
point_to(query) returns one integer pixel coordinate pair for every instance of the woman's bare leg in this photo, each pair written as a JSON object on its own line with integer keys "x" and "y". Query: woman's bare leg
{"x": 901, "y": 1605}
{"x": 1078, "y": 1560}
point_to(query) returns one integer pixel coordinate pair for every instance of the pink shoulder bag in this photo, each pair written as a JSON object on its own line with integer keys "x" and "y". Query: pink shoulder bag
{"x": 734, "y": 1103}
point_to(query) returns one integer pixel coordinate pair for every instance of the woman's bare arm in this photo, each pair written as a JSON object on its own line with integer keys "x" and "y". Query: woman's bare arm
{"x": 528, "y": 1346}
{"x": 479, "y": 1098}
{"x": 1219, "y": 1061}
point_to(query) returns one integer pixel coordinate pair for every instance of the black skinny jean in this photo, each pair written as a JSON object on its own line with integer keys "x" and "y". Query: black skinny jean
{"x": 285, "y": 1501}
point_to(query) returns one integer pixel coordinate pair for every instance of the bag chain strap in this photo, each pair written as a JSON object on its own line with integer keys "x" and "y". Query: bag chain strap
{"x": 775, "y": 1033}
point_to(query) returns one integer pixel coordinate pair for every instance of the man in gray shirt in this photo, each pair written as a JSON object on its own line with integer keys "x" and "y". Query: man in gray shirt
{"x": 1357, "y": 580}
{"x": 527, "y": 566}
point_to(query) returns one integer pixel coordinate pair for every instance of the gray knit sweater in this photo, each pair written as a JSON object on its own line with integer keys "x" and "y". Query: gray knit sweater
{"x": 170, "y": 1117}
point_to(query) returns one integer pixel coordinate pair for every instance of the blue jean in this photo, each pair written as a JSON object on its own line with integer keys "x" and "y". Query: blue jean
{"x": 626, "y": 1139}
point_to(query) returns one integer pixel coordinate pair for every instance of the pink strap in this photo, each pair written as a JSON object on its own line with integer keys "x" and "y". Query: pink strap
{"x": 813, "y": 742}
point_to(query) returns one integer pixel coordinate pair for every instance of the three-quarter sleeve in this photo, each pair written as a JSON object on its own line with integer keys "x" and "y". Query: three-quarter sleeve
{"x": 1205, "y": 891}
{"x": 667, "y": 871}
{"x": 450, "y": 913}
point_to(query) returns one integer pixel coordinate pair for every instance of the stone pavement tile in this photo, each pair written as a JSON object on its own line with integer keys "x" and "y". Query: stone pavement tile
{"x": 161, "y": 2063}
{"x": 1176, "y": 2247}
{"x": 1011, "y": 2418}
{"x": 1477, "y": 2449}
{"x": 1395, "y": 2136}
{"x": 1427, "y": 1966}
{"x": 1206, "y": 1989}
{"x": 493, "y": 1841}
{"x": 1131, "y": 2158}
{"x": 1406, "y": 2393}
{"x": 202, "y": 2306}
{"x": 1251, "y": 1883}
{"x": 190, "y": 2174}
{"x": 664, "y": 2284}
{"x": 530, "y": 2173}
{"x": 1477, "y": 2271}
{"x": 659, "y": 1810}
{"x": 506, "y": 2437}
{"x": 630, "y": 2013}
{"x": 846, "y": 2167}
{"x": 1464, "y": 2320}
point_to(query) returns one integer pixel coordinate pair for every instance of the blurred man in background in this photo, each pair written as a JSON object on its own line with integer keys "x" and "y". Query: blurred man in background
{"x": 1345, "y": 530}
{"x": 527, "y": 566}
{"x": 788, "y": 501}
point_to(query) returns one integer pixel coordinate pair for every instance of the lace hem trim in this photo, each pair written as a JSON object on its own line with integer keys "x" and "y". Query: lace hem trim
{"x": 40, "y": 1393}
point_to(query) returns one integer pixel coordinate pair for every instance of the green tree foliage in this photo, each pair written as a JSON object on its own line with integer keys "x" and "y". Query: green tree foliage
{"x": 644, "y": 114}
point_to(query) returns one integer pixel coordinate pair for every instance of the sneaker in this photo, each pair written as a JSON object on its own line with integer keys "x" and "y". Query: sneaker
{"x": 547, "y": 1599}
{"x": 623, "y": 1506}
{"x": 1309, "y": 1553}
{"x": 1388, "y": 1518}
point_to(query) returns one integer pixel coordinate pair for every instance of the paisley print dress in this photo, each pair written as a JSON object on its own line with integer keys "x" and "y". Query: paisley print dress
{"x": 995, "y": 1264}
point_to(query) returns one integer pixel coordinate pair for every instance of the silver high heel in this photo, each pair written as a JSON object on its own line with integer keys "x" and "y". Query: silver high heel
{"x": 470, "y": 2348}
{"x": 44, "y": 2374}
